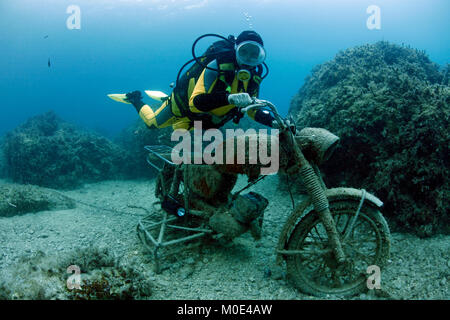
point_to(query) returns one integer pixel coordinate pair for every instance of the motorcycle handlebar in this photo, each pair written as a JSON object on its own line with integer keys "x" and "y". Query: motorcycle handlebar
{"x": 260, "y": 104}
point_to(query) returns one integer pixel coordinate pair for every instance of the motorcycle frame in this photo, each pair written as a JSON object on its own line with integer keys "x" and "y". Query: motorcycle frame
{"x": 309, "y": 173}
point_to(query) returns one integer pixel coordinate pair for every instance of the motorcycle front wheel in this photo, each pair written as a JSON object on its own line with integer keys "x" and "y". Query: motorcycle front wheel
{"x": 311, "y": 266}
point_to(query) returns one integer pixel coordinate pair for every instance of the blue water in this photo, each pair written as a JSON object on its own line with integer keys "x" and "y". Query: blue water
{"x": 130, "y": 44}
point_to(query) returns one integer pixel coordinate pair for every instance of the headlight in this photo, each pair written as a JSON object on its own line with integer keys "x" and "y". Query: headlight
{"x": 317, "y": 144}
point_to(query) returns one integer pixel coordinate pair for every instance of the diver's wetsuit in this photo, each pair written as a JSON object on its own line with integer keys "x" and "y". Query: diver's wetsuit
{"x": 208, "y": 96}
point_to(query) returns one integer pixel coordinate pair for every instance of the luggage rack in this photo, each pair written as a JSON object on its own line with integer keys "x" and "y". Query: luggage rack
{"x": 158, "y": 229}
{"x": 161, "y": 152}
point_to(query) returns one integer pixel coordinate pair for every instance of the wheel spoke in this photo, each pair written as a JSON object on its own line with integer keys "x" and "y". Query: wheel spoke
{"x": 306, "y": 259}
{"x": 319, "y": 271}
{"x": 364, "y": 257}
{"x": 338, "y": 219}
{"x": 346, "y": 224}
{"x": 318, "y": 234}
{"x": 309, "y": 251}
{"x": 317, "y": 240}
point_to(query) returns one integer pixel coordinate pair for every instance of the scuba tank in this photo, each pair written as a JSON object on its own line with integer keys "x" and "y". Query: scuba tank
{"x": 222, "y": 50}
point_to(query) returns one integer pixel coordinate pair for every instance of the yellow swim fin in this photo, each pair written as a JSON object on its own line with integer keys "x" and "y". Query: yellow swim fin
{"x": 157, "y": 95}
{"x": 119, "y": 97}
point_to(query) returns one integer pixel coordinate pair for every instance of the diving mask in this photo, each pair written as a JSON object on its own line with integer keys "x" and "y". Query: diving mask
{"x": 250, "y": 53}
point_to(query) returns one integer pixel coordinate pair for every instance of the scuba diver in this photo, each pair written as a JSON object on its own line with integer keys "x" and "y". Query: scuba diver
{"x": 213, "y": 90}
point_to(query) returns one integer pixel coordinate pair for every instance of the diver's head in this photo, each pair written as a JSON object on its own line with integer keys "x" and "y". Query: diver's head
{"x": 250, "y": 49}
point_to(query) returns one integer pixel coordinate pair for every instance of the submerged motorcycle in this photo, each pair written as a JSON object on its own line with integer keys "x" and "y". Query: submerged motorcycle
{"x": 328, "y": 241}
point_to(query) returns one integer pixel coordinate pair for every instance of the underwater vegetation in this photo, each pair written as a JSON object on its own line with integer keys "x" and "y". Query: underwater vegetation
{"x": 133, "y": 139}
{"x": 103, "y": 276}
{"x": 47, "y": 151}
{"x": 18, "y": 199}
{"x": 389, "y": 104}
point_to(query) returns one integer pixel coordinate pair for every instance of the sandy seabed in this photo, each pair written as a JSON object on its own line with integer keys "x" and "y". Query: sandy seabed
{"x": 244, "y": 269}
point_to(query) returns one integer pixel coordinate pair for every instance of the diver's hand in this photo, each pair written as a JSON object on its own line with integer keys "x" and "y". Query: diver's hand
{"x": 134, "y": 97}
{"x": 240, "y": 100}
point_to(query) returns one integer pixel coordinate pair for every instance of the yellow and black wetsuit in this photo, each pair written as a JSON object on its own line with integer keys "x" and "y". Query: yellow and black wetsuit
{"x": 205, "y": 99}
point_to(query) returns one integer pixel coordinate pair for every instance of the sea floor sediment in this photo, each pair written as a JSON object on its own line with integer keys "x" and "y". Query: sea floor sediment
{"x": 244, "y": 269}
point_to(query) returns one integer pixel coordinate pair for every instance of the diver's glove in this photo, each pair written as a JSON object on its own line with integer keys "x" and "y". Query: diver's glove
{"x": 135, "y": 98}
{"x": 240, "y": 100}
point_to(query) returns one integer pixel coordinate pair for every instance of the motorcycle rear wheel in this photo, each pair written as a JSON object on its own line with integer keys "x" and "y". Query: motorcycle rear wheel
{"x": 313, "y": 268}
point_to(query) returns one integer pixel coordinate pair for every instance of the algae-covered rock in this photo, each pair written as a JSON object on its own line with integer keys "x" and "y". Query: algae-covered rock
{"x": 19, "y": 199}
{"x": 389, "y": 104}
{"x": 133, "y": 139}
{"x": 49, "y": 152}
{"x": 102, "y": 276}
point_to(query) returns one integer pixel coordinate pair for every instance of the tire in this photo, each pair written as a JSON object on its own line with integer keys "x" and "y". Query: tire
{"x": 370, "y": 233}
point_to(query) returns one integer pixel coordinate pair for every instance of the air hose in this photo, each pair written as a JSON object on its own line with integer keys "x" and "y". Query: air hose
{"x": 230, "y": 39}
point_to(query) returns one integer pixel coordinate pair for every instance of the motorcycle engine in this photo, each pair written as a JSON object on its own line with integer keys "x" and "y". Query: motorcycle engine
{"x": 246, "y": 213}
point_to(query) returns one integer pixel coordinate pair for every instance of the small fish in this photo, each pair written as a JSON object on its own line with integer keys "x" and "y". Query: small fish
{"x": 45, "y": 37}
{"x": 48, "y": 63}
